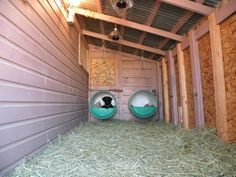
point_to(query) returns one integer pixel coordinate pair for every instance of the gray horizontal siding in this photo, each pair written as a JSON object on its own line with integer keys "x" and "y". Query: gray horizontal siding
{"x": 43, "y": 89}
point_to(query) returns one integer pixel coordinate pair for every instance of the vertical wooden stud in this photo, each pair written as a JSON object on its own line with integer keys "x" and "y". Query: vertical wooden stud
{"x": 219, "y": 80}
{"x": 79, "y": 49}
{"x": 173, "y": 92}
{"x": 160, "y": 92}
{"x": 165, "y": 91}
{"x": 197, "y": 83}
{"x": 183, "y": 89}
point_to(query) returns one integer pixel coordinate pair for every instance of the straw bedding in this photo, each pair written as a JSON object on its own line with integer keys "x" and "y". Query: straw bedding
{"x": 129, "y": 149}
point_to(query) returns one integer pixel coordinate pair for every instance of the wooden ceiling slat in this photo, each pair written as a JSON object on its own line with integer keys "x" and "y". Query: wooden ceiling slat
{"x": 124, "y": 42}
{"x": 179, "y": 25}
{"x": 99, "y": 9}
{"x": 127, "y": 23}
{"x": 122, "y": 31}
{"x": 191, "y": 6}
{"x": 149, "y": 21}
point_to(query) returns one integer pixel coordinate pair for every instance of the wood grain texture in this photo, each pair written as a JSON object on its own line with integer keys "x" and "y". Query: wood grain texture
{"x": 103, "y": 71}
{"x": 228, "y": 37}
{"x": 173, "y": 90}
{"x": 177, "y": 81}
{"x": 207, "y": 81}
{"x": 125, "y": 73}
{"x": 179, "y": 108}
{"x": 183, "y": 88}
{"x": 219, "y": 78}
{"x": 196, "y": 78}
{"x": 43, "y": 89}
{"x": 189, "y": 86}
{"x": 165, "y": 77}
{"x": 136, "y": 75}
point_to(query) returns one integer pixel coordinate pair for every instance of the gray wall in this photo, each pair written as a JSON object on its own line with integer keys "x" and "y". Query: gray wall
{"x": 43, "y": 90}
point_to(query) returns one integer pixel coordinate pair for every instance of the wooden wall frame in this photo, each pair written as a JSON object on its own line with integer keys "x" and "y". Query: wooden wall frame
{"x": 183, "y": 87}
{"x": 173, "y": 91}
{"x": 165, "y": 91}
{"x": 219, "y": 79}
{"x": 160, "y": 91}
{"x": 197, "y": 82}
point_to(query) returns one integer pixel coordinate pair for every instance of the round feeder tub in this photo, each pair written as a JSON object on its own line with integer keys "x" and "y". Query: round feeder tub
{"x": 102, "y": 105}
{"x": 143, "y": 104}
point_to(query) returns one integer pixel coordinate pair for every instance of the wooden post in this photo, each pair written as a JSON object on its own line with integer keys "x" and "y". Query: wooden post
{"x": 160, "y": 92}
{"x": 197, "y": 83}
{"x": 219, "y": 80}
{"x": 183, "y": 88}
{"x": 165, "y": 91}
{"x": 173, "y": 92}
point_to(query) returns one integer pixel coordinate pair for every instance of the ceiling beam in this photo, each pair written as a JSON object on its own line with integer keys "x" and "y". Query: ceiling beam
{"x": 177, "y": 26}
{"x": 127, "y": 23}
{"x": 191, "y": 6}
{"x": 149, "y": 21}
{"x": 99, "y": 9}
{"x": 122, "y": 31}
{"x": 124, "y": 42}
{"x": 187, "y": 15}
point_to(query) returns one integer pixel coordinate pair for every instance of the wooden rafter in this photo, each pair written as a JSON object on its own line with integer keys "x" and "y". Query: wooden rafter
{"x": 99, "y": 9}
{"x": 127, "y": 23}
{"x": 187, "y": 15}
{"x": 219, "y": 79}
{"x": 191, "y": 6}
{"x": 122, "y": 31}
{"x": 124, "y": 42}
{"x": 149, "y": 21}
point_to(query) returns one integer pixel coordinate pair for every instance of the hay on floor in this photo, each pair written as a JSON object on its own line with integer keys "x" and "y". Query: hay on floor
{"x": 129, "y": 149}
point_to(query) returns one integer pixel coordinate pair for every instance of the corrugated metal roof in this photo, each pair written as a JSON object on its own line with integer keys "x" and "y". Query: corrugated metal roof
{"x": 129, "y": 50}
{"x": 140, "y": 12}
{"x": 190, "y": 23}
{"x": 112, "y": 46}
{"x": 165, "y": 19}
{"x": 167, "y": 16}
{"x": 131, "y": 34}
{"x": 94, "y": 41}
{"x": 152, "y": 40}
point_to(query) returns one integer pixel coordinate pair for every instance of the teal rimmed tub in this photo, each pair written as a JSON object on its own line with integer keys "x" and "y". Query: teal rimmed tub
{"x": 98, "y": 107}
{"x": 143, "y": 104}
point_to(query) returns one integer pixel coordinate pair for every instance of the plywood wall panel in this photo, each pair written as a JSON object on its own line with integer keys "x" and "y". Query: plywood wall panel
{"x": 43, "y": 88}
{"x": 136, "y": 75}
{"x": 125, "y": 73}
{"x": 228, "y": 35}
{"x": 189, "y": 86}
{"x": 103, "y": 71}
{"x": 207, "y": 81}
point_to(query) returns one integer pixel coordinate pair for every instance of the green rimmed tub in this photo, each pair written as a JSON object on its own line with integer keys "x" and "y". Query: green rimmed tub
{"x": 99, "y": 112}
{"x": 143, "y": 104}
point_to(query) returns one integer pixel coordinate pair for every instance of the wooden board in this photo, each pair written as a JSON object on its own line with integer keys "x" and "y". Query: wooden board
{"x": 103, "y": 71}
{"x": 166, "y": 91}
{"x": 43, "y": 90}
{"x": 124, "y": 73}
{"x": 135, "y": 76}
{"x": 189, "y": 86}
{"x": 172, "y": 84}
{"x": 183, "y": 89}
{"x": 178, "y": 89}
{"x": 177, "y": 81}
{"x": 207, "y": 81}
{"x": 228, "y": 36}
